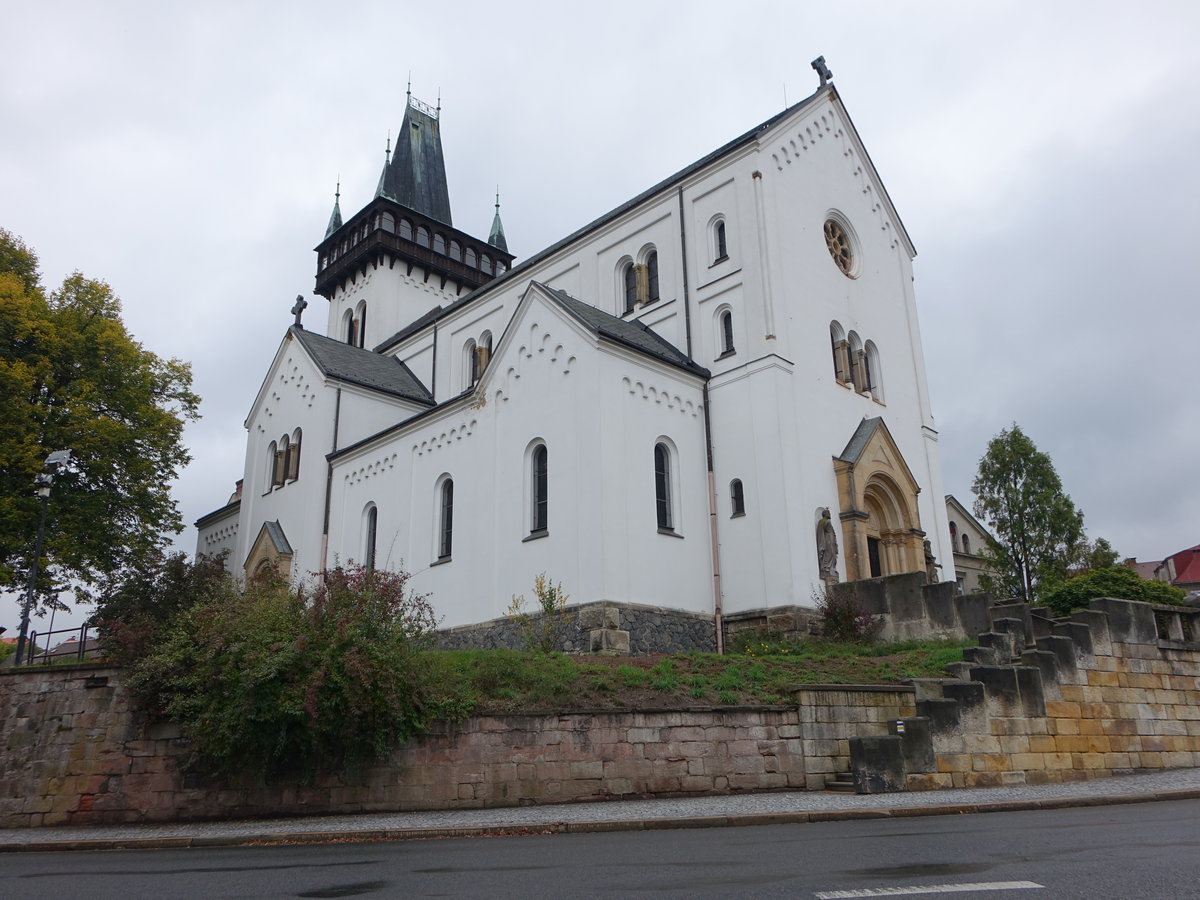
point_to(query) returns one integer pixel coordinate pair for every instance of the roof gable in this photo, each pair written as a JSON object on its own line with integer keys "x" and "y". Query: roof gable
{"x": 365, "y": 368}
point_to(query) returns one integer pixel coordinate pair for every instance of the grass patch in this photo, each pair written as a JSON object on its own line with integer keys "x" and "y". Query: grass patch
{"x": 509, "y": 681}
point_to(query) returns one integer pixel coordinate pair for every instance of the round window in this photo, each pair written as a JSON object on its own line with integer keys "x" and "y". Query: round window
{"x": 840, "y": 247}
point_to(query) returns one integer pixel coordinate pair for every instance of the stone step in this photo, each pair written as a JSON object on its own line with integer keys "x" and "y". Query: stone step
{"x": 842, "y": 786}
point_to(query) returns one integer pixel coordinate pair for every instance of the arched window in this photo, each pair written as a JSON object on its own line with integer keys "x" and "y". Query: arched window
{"x": 873, "y": 371}
{"x": 439, "y": 244}
{"x": 362, "y": 324}
{"x": 370, "y": 530}
{"x": 293, "y": 459}
{"x": 470, "y": 363}
{"x": 858, "y": 374}
{"x": 423, "y": 236}
{"x": 953, "y": 532}
{"x": 966, "y": 543}
{"x": 662, "y": 487}
{"x": 539, "y": 479}
{"x": 841, "y": 353}
{"x": 470, "y": 258}
{"x": 445, "y": 538}
{"x": 348, "y": 329}
{"x": 485, "y": 263}
{"x": 455, "y": 250}
{"x": 406, "y": 230}
{"x": 720, "y": 248}
{"x": 652, "y": 276}
{"x": 483, "y": 353}
{"x": 737, "y": 498}
{"x": 281, "y": 462}
{"x": 272, "y": 455}
{"x": 725, "y": 322}
{"x": 388, "y": 222}
{"x": 629, "y": 276}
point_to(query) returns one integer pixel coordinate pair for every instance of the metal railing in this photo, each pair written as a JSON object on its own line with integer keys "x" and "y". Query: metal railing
{"x": 76, "y": 648}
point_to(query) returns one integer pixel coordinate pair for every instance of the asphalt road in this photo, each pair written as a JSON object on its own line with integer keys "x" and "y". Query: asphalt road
{"x": 1147, "y": 850}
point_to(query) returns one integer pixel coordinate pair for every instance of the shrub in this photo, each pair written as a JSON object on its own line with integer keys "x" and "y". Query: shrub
{"x": 1117, "y": 581}
{"x": 278, "y": 682}
{"x": 544, "y": 627}
{"x": 844, "y": 619}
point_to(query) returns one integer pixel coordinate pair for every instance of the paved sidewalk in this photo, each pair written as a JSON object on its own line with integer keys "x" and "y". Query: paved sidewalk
{"x": 620, "y": 815}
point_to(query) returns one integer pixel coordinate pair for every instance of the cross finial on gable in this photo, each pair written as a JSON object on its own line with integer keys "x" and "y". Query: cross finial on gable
{"x": 298, "y": 309}
{"x": 823, "y": 70}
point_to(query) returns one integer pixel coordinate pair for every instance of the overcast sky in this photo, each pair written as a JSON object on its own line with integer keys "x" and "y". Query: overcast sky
{"x": 1040, "y": 154}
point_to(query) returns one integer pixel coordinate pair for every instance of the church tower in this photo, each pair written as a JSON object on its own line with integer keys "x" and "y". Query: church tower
{"x": 400, "y": 256}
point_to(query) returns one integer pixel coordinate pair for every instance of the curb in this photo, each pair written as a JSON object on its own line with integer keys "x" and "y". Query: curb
{"x": 593, "y": 827}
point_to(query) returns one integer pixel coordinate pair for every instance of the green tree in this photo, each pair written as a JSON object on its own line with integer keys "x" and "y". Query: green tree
{"x": 72, "y": 377}
{"x": 1037, "y": 531}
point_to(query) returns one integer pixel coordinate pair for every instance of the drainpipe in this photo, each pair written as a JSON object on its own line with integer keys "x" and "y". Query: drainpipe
{"x": 713, "y": 534}
{"x": 337, "y": 415}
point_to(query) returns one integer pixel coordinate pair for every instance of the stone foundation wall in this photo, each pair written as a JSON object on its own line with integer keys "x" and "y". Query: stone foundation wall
{"x": 73, "y": 752}
{"x": 601, "y": 627}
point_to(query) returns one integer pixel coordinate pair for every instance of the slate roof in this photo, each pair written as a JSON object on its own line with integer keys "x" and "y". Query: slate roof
{"x": 858, "y": 441}
{"x": 416, "y": 176}
{"x": 275, "y": 532}
{"x": 632, "y": 334}
{"x": 363, "y": 367}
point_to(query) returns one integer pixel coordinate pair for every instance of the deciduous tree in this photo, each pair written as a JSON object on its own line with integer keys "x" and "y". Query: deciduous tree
{"x": 1037, "y": 531}
{"x": 72, "y": 377}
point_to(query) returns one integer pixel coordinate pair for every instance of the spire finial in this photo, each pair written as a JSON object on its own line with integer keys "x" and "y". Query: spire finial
{"x": 387, "y": 153}
{"x": 337, "y": 191}
{"x": 335, "y": 218}
{"x": 408, "y": 92}
{"x": 497, "y": 199}
{"x": 439, "y": 106}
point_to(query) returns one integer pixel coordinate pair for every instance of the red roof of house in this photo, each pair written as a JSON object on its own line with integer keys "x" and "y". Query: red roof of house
{"x": 1187, "y": 565}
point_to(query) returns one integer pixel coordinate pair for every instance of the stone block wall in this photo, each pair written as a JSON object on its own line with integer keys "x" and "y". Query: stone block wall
{"x": 832, "y": 714}
{"x": 73, "y": 752}
{"x": 912, "y": 609}
{"x": 1100, "y": 694}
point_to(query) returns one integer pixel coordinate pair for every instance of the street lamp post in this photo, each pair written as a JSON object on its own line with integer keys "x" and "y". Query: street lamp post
{"x": 42, "y": 484}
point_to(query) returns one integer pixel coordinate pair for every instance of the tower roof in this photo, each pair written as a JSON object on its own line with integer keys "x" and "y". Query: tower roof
{"x": 416, "y": 175}
{"x": 335, "y": 218}
{"x": 496, "y": 237}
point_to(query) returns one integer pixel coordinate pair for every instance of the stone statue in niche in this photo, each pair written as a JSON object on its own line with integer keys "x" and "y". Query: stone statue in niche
{"x": 931, "y": 565}
{"x": 827, "y": 548}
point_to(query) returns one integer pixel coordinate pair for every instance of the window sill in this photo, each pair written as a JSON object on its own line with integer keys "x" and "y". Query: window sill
{"x": 535, "y": 536}
{"x": 720, "y": 259}
{"x": 441, "y": 561}
{"x": 726, "y": 355}
{"x": 738, "y": 515}
{"x": 670, "y": 532}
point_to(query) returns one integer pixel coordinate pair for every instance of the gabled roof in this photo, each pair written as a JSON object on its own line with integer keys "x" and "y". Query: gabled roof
{"x": 859, "y": 440}
{"x": 965, "y": 514}
{"x": 632, "y": 334}
{"x": 1187, "y": 565}
{"x": 363, "y": 367}
{"x": 278, "y": 539}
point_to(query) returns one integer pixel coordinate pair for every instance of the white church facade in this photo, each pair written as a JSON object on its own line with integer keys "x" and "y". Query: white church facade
{"x": 656, "y": 411}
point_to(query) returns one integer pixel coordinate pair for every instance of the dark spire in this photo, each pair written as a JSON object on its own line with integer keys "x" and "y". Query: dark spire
{"x": 496, "y": 237}
{"x": 381, "y": 188}
{"x": 335, "y": 219}
{"x": 416, "y": 176}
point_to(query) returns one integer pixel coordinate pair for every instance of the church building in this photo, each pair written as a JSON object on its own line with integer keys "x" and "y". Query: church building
{"x": 709, "y": 402}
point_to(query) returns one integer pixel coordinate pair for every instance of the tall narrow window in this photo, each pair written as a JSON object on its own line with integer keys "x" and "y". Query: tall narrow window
{"x": 540, "y": 481}
{"x": 423, "y": 236}
{"x": 966, "y": 543}
{"x": 662, "y": 487}
{"x": 726, "y": 320}
{"x": 362, "y": 324}
{"x": 631, "y": 287}
{"x": 652, "y": 276}
{"x": 406, "y": 230}
{"x": 737, "y": 498}
{"x": 439, "y": 243}
{"x": 293, "y": 459}
{"x": 873, "y": 557}
{"x": 471, "y": 361}
{"x": 281, "y": 461}
{"x": 446, "y": 529}
{"x": 272, "y": 454}
{"x": 841, "y": 352}
{"x": 350, "y": 329}
{"x": 369, "y": 543}
{"x": 719, "y": 242}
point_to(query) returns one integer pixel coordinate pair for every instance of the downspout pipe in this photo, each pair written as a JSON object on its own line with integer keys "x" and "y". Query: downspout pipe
{"x": 337, "y": 415}
{"x": 713, "y": 529}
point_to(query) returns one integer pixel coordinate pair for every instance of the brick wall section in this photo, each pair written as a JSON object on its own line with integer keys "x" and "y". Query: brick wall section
{"x": 831, "y": 714}
{"x": 77, "y": 754}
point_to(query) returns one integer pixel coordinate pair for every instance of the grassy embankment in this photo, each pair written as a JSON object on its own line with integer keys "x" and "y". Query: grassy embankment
{"x": 505, "y": 681}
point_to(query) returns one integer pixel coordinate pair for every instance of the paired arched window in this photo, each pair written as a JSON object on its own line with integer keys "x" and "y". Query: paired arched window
{"x": 737, "y": 498}
{"x": 283, "y": 460}
{"x": 638, "y": 282}
{"x": 370, "y": 529}
{"x": 855, "y": 364}
{"x": 476, "y": 356}
{"x": 445, "y": 533}
{"x": 540, "y": 495}
{"x": 663, "y": 493}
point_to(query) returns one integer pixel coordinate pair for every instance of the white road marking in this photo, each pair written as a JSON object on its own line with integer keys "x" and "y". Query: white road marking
{"x": 930, "y": 889}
